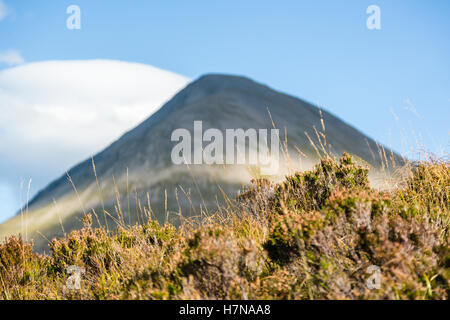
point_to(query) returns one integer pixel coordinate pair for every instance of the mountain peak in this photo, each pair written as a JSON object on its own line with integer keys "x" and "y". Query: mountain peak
{"x": 221, "y": 78}
{"x": 214, "y": 82}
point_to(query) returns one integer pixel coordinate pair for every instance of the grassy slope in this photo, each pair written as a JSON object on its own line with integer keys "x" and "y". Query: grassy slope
{"x": 313, "y": 236}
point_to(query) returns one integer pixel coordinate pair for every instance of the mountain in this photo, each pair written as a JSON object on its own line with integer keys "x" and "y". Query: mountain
{"x": 138, "y": 168}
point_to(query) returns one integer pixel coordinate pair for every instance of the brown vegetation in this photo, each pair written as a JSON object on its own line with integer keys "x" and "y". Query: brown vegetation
{"x": 312, "y": 236}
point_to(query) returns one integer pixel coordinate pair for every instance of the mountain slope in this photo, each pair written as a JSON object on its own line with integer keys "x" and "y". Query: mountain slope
{"x": 139, "y": 163}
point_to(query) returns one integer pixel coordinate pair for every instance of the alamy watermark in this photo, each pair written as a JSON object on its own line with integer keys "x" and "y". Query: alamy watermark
{"x": 374, "y": 280}
{"x": 73, "y": 22}
{"x": 74, "y": 281}
{"x": 374, "y": 20}
{"x": 190, "y": 149}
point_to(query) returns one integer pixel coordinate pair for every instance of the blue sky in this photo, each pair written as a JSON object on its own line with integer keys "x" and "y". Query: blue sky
{"x": 393, "y": 84}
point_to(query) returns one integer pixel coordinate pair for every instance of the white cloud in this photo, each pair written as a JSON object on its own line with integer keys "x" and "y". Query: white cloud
{"x": 11, "y": 58}
{"x": 54, "y": 114}
{"x": 3, "y": 10}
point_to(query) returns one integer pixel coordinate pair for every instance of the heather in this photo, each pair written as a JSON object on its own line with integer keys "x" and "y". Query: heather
{"x": 314, "y": 235}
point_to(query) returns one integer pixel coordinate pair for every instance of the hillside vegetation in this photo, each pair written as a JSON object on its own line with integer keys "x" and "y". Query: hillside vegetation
{"x": 313, "y": 236}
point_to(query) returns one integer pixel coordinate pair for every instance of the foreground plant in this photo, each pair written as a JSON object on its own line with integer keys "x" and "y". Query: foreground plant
{"x": 317, "y": 235}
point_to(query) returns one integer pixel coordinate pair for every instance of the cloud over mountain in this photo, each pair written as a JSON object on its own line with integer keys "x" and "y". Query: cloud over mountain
{"x": 55, "y": 113}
